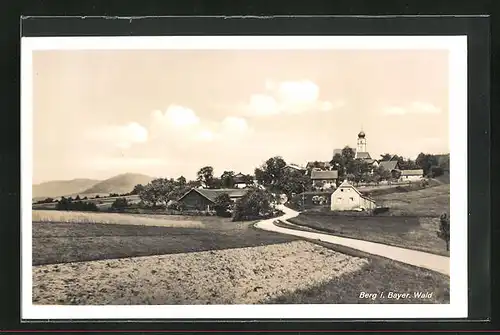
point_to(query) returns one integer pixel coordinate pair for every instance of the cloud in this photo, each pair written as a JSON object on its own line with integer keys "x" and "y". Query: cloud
{"x": 121, "y": 136}
{"x": 416, "y": 107}
{"x": 424, "y": 108}
{"x": 288, "y": 97}
{"x": 176, "y": 116}
{"x": 181, "y": 124}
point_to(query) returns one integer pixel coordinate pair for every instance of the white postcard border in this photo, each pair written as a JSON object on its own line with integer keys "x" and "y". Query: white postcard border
{"x": 457, "y": 47}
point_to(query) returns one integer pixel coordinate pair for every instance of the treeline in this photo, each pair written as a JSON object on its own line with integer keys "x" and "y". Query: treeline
{"x": 68, "y": 204}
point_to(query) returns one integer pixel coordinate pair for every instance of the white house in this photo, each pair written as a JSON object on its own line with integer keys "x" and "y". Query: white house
{"x": 411, "y": 175}
{"x": 347, "y": 198}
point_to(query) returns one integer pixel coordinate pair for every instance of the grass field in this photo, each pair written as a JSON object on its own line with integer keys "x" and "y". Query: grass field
{"x": 431, "y": 201}
{"x": 79, "y": 240}
{"x": 406, "y": 232}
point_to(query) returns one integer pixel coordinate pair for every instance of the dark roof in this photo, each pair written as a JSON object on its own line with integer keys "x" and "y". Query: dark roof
{"x": 419, "y": 172}
{"x": 389, "y": 165}
{"x": 361, "y": 134}
{"x": 211, "y": 194}
{"x": 321, "y": 164}
{"x": 239, "y": 178}
{"x": 324, "y": 175}
{"x": 363, "y": 155}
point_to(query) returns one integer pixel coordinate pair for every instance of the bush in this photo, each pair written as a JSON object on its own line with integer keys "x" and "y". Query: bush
{"x": 223, "y": 205}
{"x": 256, "y": 204}
{"x": 444, "y": 230}
{"x": 120, "y": 204}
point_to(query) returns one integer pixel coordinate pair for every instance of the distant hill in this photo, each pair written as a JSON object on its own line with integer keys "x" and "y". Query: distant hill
{"x": 59, "y": 188}
{"x": 120, "y": 184}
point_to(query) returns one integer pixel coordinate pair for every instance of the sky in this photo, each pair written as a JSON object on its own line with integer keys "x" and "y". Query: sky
{"x": 167, "y": 113}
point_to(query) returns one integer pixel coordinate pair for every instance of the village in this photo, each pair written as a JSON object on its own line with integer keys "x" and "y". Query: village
{"x": 320, "y": 181}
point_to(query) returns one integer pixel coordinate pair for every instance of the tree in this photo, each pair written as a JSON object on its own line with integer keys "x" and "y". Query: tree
{"x": 227, "y": 179}
{"x": 77, "y": 197}
{"x": 119, "y": 204}
{"x": 270, "y": 173}
{"x": 426, "y": 161}
{"x": 253, "y": 205}
{"x": 158, "y": 191}
{"x": 206, "y": 176}
{"x": 222, "y": 205}
{"x": 181, "y": 181}
{"x": 293, "y": 181}
{"x": 338, "y": 163}
{"x": 215, "y": 184}
{"x": 444, "y": 230}
{"x": 137, "y": 189}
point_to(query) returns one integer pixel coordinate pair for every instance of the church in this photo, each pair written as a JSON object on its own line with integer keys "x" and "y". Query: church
{"x": 360, "y": 152}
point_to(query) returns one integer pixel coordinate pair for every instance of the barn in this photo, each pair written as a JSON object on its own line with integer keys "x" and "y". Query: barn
{"x": 347, "y": 198}
{"x": 411, "y": 175}
{"x": 204, "y": 199}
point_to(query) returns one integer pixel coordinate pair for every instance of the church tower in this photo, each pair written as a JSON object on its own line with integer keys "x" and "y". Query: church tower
{"x": 361, "y": 145}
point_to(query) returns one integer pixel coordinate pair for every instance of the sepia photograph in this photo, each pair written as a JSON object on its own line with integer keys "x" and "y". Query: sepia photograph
{"x": 212, "y": 175}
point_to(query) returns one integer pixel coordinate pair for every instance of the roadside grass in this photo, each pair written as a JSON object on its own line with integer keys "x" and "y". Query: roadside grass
{"x": 62, "y": 242}
{"x": 404, "y": 231}
{"x": 431, "y": 201}
{"x": 380, "y": 275}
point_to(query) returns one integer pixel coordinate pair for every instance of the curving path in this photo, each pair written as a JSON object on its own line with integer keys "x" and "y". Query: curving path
{"x": 417, "y": 258}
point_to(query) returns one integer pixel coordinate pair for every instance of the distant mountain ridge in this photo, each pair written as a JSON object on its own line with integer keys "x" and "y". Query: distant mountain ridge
{"x": 122, "y": 183}
{"x": 58, "y": 188}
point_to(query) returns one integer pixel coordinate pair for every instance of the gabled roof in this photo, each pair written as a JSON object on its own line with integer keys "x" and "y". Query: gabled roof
{"x": 345, "y": 184}
{"x": 324, "y": 175}
{"x": 389, "y": 165}
{"x": 363, "y": 155}
{"x": 211, "y": 194}
{"x": 412, "y": 172}
{"x": 239, "y": 178}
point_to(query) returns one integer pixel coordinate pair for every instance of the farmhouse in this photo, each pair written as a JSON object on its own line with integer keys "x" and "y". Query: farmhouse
{"x": 204, "y": 199}
{"x": 411, "y": 175}
{"x": 346, "y": 198}
{"x": 324, "y": 179}
{"x": 390, "y": 165}
{"x": 241, "y": 181}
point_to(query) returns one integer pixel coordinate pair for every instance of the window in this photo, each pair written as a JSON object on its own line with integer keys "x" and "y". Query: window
{"x": 339, "y": 200}
{"x": 341, "y": 190}
{"x": 351, "y": 199}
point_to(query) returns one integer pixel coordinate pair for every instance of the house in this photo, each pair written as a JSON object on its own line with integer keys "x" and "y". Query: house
{"x": 242, "y": 181}
{"x": 204, "y": 199}
{"x": 389, "y": 165}
{"x": 347, "y": 198}
{"x": 324, "y": 179}
{"x": 411, "y": 175}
